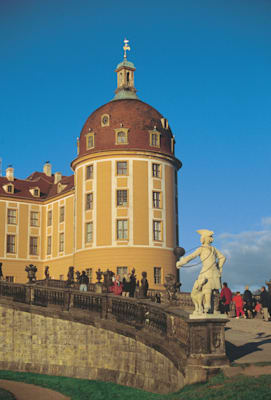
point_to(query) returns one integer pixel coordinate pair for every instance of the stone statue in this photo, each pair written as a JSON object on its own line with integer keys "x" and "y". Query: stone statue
{"x": 1, "y": 273}
{"x": 31, "y": 273}
{"x": 46, "y": 273}
{"x": 143, "y": 290}
{"x": 99, "y": 275}
{"x": 77, "y": 273}
{"x": 172, "y": 287}
{"x": 209, "y": 279}
{"x": 70, "y": 276}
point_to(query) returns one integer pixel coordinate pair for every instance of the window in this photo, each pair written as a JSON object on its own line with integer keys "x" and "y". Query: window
{"x": 121, "y": 271}
{"x": 121, "y": 167}
{"x": 12, "y": 216}
{"x": 89, "y": 201}
{"x": 155, "y": 139}
{"x": 10, "y": 279}
{"x": 49, "y": 245}
{"x": 156, "y": 170}
{"x": 61, "y": 242}
{"x": 89, "y": 232}
{"x": 105, "y": 120}
{"x": 90, "y": 140}
{"x": 122, "y": 137}
{"x": 36, "y": 192}
{"x": 122, "y": 198}
{"x": 89, "y": 274}
{"x": 49, "y": 218}
{"x": 33, "y": 246}
{"x": 61, "y": 214}
{"x": 157, "y": 234}
{"x": 157, "y": 275}
{"x": 10, "y": 188}
{"x": 11, "y": 244}
{"x": 122, "y": 229}
{"x": 89, "y": 172}
{"x": 156, "y": 196}
{"x": 34, "y": 218}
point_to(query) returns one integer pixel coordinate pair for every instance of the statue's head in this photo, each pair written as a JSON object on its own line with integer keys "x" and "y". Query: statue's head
{"x": 206, "y": 236}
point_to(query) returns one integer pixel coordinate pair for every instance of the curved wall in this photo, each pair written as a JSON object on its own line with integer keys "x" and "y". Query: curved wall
{"x": 38, "y": 343}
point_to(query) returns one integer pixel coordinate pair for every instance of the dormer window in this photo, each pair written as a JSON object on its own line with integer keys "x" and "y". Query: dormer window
{"x": 105, "y": 120}
{"x": 60, "y": 187}
{"x": 164, "y": 123}
{"x": 154, "y": 138}
{"x": 90, "y": 140}
{"x": 121, "y": 136}
{"x": 9, "y": 188}
{"x": 35, "y": 191}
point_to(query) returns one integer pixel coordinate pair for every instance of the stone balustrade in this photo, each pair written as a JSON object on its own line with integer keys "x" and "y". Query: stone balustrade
{"x": 194, "y": 348}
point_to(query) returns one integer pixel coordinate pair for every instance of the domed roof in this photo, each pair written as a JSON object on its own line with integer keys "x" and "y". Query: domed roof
{"x": 136, "y": 118}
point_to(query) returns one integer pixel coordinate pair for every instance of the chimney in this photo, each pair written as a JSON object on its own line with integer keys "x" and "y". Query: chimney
{"x": 10, "y": 173}
{"x": 58, "y": 177}
{"x": 47, "y": 168}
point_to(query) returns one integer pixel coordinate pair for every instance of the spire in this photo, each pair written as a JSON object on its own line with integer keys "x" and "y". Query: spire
{"x": 125, "y": 77}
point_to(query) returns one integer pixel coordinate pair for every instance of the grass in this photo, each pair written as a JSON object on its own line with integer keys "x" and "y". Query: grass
{"x": 219, "y": 387}
{"x": 5, "y": 395}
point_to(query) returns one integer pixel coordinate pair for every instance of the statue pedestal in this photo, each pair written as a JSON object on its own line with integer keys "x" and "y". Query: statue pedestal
{"x": 208, "y": 316}
{"x": 98, "y": 287}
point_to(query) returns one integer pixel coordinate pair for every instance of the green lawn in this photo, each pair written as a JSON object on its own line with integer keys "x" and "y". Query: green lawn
{"x": 5, "y": 395}
{"x": 219, "y": 388}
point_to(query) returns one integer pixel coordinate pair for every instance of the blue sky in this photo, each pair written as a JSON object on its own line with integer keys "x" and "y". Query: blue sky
{"x": 204, "y": 64}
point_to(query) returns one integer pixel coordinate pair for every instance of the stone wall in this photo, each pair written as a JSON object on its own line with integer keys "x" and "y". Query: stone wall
{"x": 50, "y": 345}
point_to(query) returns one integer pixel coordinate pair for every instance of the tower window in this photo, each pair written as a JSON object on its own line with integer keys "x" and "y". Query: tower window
{"x": 89, "y": 232}
{"x": 89, "y": 201}
{"x": 89, "y": 171}
{"x": 49, "y": 245}
{"x": 121, "y": 136}
{"x": 12, "y": 216}
{"x": 155, "y": 139}
{"x": 122, "y": 229}
{"x": 156, "y": 199}
{"x": 128, "y": 77}
{"x": 157, "y": 275}
{"x": 122, "y": 168}
{"x": 105, "y": 120}
{"x": 156, "y": 170}
{"x": 33, "y": 246}
{"x": 157, "y": 230}
{"x": 11, "y": 244}
{"x": 122, "y": 198}
{"x": 61, "y": 242}
{"x": 90, "y": 141}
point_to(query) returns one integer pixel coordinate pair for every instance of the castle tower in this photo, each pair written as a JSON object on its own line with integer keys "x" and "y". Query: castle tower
{"x": 126, "y": 187}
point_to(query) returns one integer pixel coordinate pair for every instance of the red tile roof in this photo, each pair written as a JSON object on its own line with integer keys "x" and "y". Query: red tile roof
{"x": 36, "y": 180}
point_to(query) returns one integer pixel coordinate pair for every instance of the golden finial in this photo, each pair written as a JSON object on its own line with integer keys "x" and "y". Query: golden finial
{"x": 126, "y": 47}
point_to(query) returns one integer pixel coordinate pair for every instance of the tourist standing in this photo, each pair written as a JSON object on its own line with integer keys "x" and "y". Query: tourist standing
{"x": 117, "y": 286}
{"x": 265, "y": 301}
{"x": 238, "y": 301}
{"x": 226, "y": 298}
{"x": 248, "y": 300}
{"x": 83, "y": 281}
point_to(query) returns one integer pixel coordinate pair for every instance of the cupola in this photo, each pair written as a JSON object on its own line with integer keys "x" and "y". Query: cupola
{"x": 125, "y": 77}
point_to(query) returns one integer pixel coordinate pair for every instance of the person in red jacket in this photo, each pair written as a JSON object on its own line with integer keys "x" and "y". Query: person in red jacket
{"x": 238, "y": 305}
{"x": 226, "y": 297}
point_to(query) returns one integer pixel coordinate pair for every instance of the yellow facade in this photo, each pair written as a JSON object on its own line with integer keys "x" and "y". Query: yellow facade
{"x": 120, "y": 214}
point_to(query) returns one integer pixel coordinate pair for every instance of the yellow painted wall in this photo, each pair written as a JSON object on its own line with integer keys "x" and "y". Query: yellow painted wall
{"x": 103, "y": 205}
{"x": 79, "y": 210}
{"x": 69, "y": 226}
{"x": 140, "y": 205}
{"x": 23, "y": 232}
{"x": 170, "y": 225}
{"x": 2, "y": 227}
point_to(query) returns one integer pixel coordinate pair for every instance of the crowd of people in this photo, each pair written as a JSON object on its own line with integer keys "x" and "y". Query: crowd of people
{"x": 245, "y": 305}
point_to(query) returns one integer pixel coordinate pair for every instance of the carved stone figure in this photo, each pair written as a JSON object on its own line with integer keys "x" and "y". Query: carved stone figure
{"x": 209, "y": 279}
{"x": 1, "y": 273}
{"x": 99, "y": 275}
{"x": 46, "y": 273}
{"x": 70, "y": 276}
{"x": 143, "y": 290}
{"x": 172, "y": 287}
{"x": 31, "y": 273}
{"x": 108, "y": 281}
{"x": 77, "y": 273}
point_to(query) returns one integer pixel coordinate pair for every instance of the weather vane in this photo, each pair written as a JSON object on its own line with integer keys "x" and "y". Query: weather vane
{"x": 126, "y": 47}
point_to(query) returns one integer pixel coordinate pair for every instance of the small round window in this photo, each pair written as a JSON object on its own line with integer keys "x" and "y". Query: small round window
{"x": 105, "y": 120}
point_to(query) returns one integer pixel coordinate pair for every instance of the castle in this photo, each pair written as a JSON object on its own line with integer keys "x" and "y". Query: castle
{"x": 119, "y": 209}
